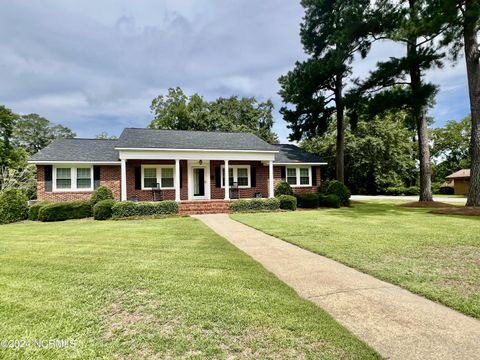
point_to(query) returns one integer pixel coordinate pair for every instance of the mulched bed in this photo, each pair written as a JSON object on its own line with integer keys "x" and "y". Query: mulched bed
{"x": 469, "y": 211}
{"x": 427, "y": 205}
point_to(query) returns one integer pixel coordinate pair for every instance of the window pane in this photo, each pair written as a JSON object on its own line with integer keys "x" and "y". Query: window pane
{"x": 304, "y": 178}
{"x": 292, "y": 176}
{"x": 242, "y": 175}
{"x": 149, "y": 177}
{"x": 64, "y": 184}
{"x": 83, "y": 173}
{"x": 64, "y": 180}
{"x": 167, "y": 177}
{"x": 63, "y": 173}
{"x": 84, "y": 183}
{"x": 84, "y": 178}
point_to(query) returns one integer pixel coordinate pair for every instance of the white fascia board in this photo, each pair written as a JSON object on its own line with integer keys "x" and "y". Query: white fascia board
{"x": 300, "y": 163}
{"x": 45, "y": 162}
{"x": 195, "y": 155}
{"x": 197, "y": 150}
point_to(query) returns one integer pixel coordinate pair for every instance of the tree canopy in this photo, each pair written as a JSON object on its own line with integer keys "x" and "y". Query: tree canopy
{"x": 379, "y": 154}
{"x": 34, "y": 132}
{"x": 178, "y": 111}
{"x": 451, "y": 148}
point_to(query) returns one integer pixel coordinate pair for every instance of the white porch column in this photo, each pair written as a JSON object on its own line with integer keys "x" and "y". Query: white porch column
{"x": 123, "y": 177}
{"x": 227, "y": 181}
{"x": 270, "y": 179}
{"x": 177, "y": 180}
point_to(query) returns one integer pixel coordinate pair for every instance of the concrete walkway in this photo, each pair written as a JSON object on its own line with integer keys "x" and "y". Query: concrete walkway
{"x": 395, "y": 322}
{"x": 461, "y": 201}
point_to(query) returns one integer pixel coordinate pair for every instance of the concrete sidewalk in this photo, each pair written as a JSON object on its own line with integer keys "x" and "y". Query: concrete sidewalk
{"x": 395, "y": 322}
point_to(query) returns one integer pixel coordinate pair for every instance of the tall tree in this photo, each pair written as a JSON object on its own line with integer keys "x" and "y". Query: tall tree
{"x": 33, "y": 132}
{"x": 399, "y": 83}
{"x": 332, "y": 32}
{"x": 178, "y": 111}
{"x": 460, "y": 23}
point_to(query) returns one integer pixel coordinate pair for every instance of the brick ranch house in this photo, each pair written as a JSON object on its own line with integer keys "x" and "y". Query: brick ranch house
{"x": 186, "y": 166}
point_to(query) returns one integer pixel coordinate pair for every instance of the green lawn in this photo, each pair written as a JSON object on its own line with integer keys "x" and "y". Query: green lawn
{"x": 437, "y": 256}
{"x": 153, "y": 289}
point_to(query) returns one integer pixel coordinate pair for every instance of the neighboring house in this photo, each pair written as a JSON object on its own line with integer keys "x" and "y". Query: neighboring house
{"x": 176, "y": 165}
{"x": 461, "y": 181}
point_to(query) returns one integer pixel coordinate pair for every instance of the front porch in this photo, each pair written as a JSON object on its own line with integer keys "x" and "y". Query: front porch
{"x": 191, "y": 180}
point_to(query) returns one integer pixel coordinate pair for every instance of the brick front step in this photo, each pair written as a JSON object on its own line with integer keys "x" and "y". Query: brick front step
{"x": 204, "y": 207}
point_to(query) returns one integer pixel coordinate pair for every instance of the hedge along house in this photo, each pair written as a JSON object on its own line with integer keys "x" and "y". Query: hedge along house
{"x": 186, "y": 166}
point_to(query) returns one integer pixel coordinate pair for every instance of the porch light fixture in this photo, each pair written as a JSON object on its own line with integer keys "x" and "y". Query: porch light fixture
{"x": 200, "y": 162}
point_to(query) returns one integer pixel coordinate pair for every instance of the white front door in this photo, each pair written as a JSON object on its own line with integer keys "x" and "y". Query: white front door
{"x": 198, "y": 180}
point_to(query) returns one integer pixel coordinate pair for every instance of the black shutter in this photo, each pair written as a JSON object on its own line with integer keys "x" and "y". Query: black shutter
{"x": 218, "y": 179}
{"x": 283, "y": 173}
{"x": 253, "y": 176}
{"x": 48, "y": 177}
{"x": 314, "y": 176}
{"x": 138, "y": 178}
{"x": 96, "y": 177}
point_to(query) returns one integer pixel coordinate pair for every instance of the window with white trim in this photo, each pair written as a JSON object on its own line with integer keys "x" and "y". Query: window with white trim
{"x": 163, "y": 175}
{"x": 69, "y": 178}
{"x": 239, "y": 174}
{"x": 299, "y": 176}
{"x": 84, "y": 178}
{"x": 64, "y": 178}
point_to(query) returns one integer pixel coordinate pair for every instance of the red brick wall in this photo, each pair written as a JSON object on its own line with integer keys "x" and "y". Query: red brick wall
{"x": 109, "y": 176}
{"x": 146, "y": 195}
{"x": 262, "y": 180}
{"x": 277, "y": 177}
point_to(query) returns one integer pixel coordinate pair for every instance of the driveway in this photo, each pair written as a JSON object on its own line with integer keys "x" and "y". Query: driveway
{"x": 395, "y": 322}
{"x": 408, "y": 198}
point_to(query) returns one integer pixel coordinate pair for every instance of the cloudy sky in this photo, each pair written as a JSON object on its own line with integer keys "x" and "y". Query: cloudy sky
{"x": 96, "y": 65}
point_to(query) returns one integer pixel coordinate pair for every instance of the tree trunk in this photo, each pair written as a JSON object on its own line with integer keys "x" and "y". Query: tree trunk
{"x": 424, "y": 157}
{"x": 340, "y": 165}
{"x": 419, "y": 115}
{"x": 472, "y": 55}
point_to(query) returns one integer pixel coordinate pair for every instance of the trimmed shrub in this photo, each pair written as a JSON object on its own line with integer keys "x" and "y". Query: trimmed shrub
{"x": 101, "y": 193}
{"x": 252, "y": 205}
{"x": 103, "y": 209}
{"x": 65, "y": 211}
{"x": 34, "y": 210}
{"x": 283, "y": 188}
{"x": 126, "y": 209}
{"x": 334, "y": 187}
{"x": 402, "y": 190}
{"x": 331, "y": 201}
{"x": 307, "y": 200}
{"x": 13, "y": 206}
{"x": 288, "y": 202}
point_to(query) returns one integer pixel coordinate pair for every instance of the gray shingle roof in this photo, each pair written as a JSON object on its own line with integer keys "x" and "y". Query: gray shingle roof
{"x": 292, "y": 154}
{"x": 181, "y": 139}
{"x": 78, "y": 150}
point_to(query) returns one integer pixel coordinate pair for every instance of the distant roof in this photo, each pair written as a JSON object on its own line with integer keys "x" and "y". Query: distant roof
{"x": 464, "y": 173}
{"x": 292, "y": 154}
{"x": 183, "y": 139}
{"x": 78, "y": 150}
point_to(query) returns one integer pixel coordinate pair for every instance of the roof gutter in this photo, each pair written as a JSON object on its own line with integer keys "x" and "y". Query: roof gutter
{"x": 199, "y": 150}
{"x": 48, "y": 162}
{"x": 300, "y": 163}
